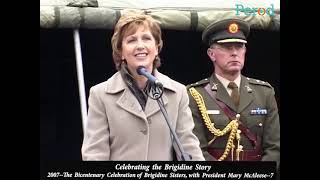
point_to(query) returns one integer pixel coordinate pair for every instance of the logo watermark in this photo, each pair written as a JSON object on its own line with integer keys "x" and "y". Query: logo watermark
{"x": 253, "y": 11}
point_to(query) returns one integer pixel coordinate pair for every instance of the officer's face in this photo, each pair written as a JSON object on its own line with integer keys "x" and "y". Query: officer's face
{"x": 139, "y": 49}
{"x": 227, "y": 57}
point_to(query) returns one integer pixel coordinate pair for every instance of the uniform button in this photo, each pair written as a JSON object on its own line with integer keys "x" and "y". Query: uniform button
{"x": 144, "y": 131}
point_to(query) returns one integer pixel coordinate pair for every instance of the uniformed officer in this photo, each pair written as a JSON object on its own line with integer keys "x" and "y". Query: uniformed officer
{"x": 236, "y": 117}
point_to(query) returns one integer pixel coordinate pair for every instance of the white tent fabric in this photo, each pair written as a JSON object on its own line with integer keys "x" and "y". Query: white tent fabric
{"x": 177, "y": 14}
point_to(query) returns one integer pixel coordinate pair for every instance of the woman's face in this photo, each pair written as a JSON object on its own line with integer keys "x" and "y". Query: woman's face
{"x": 139, "y": 49}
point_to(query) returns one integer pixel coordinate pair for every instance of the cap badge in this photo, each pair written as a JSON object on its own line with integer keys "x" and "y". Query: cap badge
{"x": 233, "y": 28}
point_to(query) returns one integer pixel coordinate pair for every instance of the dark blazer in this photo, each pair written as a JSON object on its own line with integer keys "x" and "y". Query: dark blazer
{"x": 254, "y": 95}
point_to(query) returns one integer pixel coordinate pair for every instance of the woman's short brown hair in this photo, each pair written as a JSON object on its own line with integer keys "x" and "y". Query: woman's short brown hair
{"x": 129, "y": 23}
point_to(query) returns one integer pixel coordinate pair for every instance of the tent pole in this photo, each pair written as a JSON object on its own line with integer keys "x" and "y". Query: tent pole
{"x": 80, "y": 76}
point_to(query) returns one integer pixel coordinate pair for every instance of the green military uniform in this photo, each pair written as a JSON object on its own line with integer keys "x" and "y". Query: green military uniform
{"x": 255, "y": 135}
{"x": 258, "y": 112}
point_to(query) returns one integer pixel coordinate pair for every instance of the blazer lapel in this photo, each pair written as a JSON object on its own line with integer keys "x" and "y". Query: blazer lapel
{"x": 128, "y": 102}
{"x": 222, "y": 94}
{"x": 246, "y": 96}
{"x": 152, "y": 105}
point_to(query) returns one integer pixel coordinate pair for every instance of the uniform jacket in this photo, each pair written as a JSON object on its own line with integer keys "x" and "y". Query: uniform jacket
{"x": 118, "y": 128}
{"x": 254, "y": 95}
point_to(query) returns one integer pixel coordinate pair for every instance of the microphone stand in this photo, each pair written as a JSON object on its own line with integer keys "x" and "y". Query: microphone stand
{"x": 156, "y": 94}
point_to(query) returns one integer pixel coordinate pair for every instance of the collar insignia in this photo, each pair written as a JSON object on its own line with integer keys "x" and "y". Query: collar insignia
{"x": 214, "y": 87}
{"x": 248, "y": 88}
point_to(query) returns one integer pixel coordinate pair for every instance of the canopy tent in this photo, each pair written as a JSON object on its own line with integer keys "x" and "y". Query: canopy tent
{"x": 177, "y": 14}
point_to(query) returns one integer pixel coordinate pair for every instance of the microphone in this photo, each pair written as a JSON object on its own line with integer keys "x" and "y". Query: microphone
{"x": 141, "y": 70}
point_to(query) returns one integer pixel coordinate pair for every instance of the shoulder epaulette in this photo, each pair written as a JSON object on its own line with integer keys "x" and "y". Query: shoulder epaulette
{"x": 258, "y": 82}
{"x": 203, "y": 81}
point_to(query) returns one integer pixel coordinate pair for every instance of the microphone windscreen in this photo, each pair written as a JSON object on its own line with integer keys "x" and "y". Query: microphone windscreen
{"x": 140, "y": 69}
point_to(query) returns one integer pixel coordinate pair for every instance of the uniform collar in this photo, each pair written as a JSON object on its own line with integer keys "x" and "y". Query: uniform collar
{"x": 246, "y": 96}
{"x": 225, "y": 81}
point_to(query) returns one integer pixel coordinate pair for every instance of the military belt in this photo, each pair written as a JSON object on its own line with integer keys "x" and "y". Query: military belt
{"x": 245, "y": 155}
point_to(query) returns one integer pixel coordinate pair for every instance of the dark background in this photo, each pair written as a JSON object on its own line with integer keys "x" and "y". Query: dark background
{"x": 184, "y": 59}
